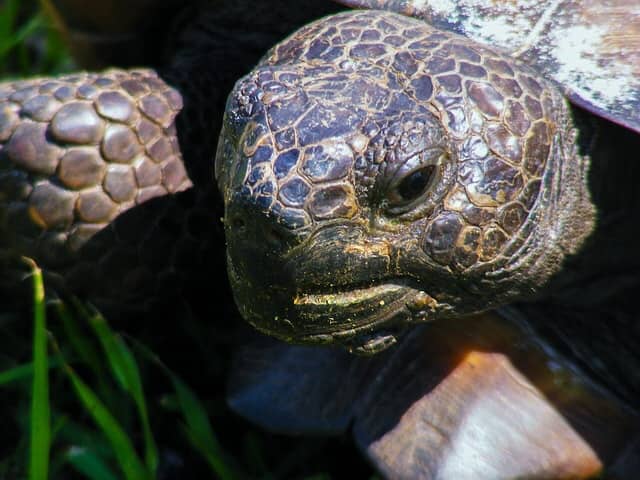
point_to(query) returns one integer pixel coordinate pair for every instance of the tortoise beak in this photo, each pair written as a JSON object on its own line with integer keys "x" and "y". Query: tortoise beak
{"x": 335, "y": 284}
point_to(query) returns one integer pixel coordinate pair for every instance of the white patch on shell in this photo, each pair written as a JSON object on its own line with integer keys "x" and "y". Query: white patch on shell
{"x": 581, "y": 70}
{"x": 479, "y": 21}
{"x": 499, "y": 31}
{"x": 573, "y": 43}
{"x": 441, "y": 7}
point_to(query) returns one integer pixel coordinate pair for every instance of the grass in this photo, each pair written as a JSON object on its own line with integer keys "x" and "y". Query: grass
{"x": 82, "y": 400}
{"x": 114, "y": 445}
{"x": 40, "y": 428}
{"x": 97, "y": 421}
{"x": 28, "y": 46}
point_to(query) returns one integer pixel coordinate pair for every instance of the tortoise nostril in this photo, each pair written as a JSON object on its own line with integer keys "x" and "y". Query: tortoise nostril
{"x": 256, "y": 229}
{"x": 237, "y": 224}
{"x": 274, "y": 237}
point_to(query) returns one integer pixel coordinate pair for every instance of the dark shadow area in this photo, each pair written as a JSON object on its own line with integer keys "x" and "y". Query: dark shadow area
{"x": 589, "y": 310}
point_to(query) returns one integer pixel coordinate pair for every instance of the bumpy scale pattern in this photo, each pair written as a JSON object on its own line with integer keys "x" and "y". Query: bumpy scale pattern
{"x": 78, "y": 151}
{"x": 322, "y": 100}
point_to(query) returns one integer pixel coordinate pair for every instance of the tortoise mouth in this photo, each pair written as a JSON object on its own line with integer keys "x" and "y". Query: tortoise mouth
{"x": 350, "y": 297}
{"x": 363, "y": 319}
{"x": 342, "y": 315}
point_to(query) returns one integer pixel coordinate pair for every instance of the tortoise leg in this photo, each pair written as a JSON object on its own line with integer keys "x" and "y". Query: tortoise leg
{"x": 296, "y": 389}
{"x": 486, "y": 399}
{"x": 481, "y": 397}
{"x": 77, "y": 152}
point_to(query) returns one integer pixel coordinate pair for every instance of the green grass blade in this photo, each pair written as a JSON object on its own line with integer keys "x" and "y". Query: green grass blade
{"x": 74, "y": 433}
{"x": 86, "y": 350}
{"x": 198, "y": 430}
{"x": 89, "y": 464}
{"x": 16, "y": 373}
{"x": 82, "y": 346}
{"x": 128, "y": 460}
{"x": 197, "y": 426}
{"x": 23, "y": 371}
{"x": 8, "y": 15}
{"x": 126, "y": 372}
{"x": 18, "y": 37}
{"x": 40, "y": 426}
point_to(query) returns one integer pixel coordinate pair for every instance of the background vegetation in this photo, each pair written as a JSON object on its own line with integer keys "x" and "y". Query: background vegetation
{"x": 80, "y": 399}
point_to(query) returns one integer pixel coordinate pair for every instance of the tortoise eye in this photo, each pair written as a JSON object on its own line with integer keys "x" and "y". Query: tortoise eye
{"x": 416, "y": 183}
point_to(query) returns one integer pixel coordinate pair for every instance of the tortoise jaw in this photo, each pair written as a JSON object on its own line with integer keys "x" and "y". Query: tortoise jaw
{"x": 388, "y": 307}
{"x": 391, "y": 307}
{"x": 350, "y": 298}
{"x": 362, "y": 320}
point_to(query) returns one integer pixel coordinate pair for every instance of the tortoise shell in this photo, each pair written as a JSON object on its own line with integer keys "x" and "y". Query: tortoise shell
{"x": 589, "y": 48}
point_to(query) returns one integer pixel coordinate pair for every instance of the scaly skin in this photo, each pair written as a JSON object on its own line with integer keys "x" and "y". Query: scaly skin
{"x": 77, "y": 152}
{"x": 80, "y": 150}
{"x": 316, "y": 145}
{"x": 119, "y": 222}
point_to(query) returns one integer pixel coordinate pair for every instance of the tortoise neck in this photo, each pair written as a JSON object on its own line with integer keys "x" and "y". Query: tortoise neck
{"x": 562, "y": 220}
{"x": 609, "y": 253}
{"x": 590, "y": 307}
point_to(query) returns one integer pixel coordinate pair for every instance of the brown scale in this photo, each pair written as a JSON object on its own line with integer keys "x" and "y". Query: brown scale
{"x": 481, "y": 97}
{"x": 68, "y": 169}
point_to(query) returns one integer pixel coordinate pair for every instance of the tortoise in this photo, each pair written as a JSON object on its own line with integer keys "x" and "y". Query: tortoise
{"x": 410, "y": 177}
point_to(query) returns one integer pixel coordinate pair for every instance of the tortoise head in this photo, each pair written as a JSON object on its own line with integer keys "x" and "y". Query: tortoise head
{"x": 376, "y": 177}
